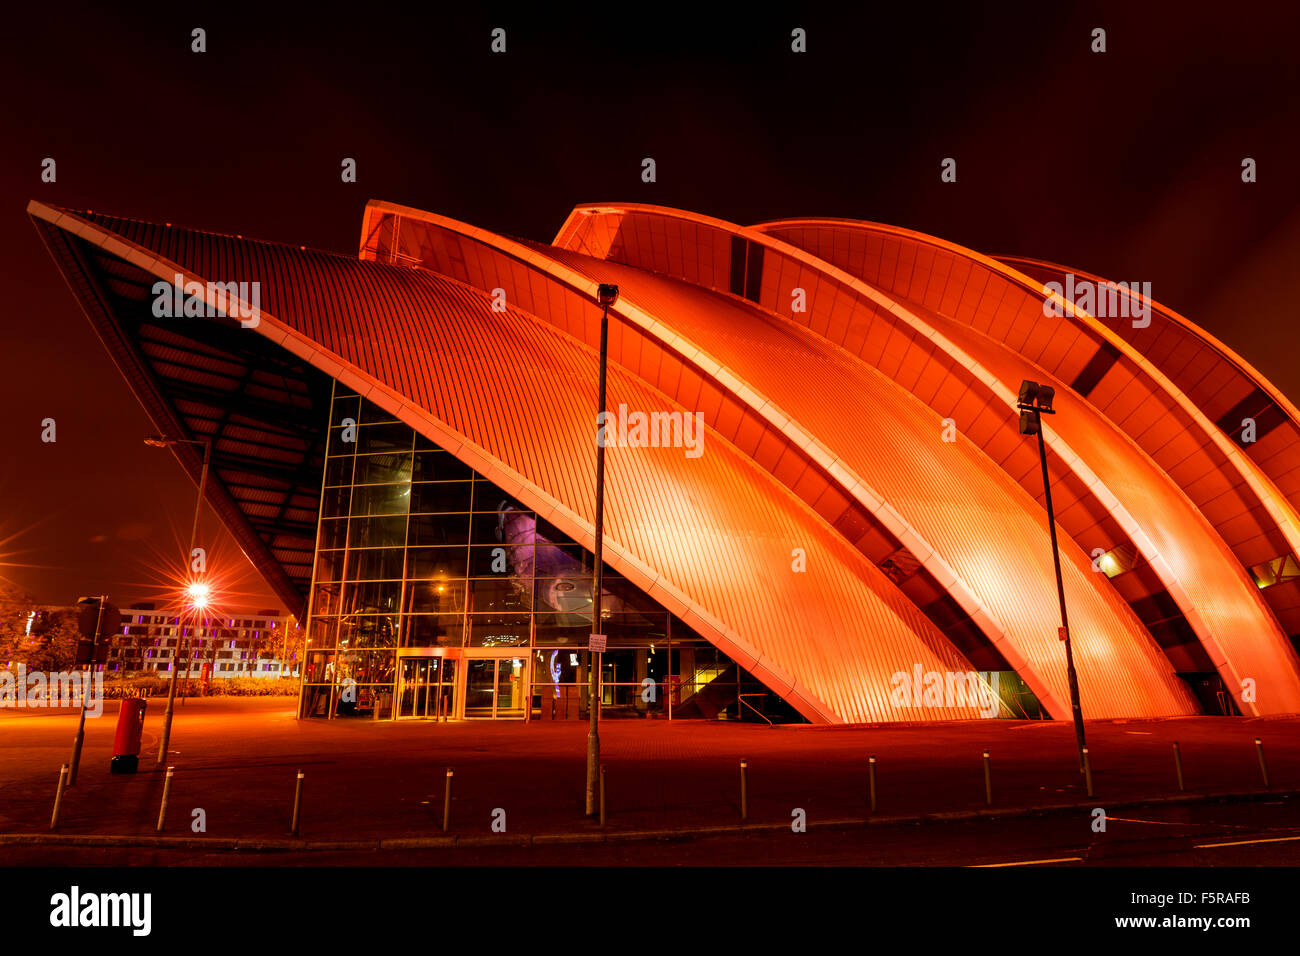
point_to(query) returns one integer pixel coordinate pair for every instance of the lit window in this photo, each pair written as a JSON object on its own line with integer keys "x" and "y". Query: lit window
{"x": 1278, "y": 571}
{"x": 1117, "y": 560}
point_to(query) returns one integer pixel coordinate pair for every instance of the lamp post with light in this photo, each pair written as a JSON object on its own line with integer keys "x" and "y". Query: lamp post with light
{"x": 1033, "y": 402}
{"x": 607, "y": 295}
{"x": 197, "y": 592}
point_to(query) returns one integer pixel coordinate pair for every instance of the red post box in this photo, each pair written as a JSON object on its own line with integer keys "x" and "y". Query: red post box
{"x": 126, "y": 743}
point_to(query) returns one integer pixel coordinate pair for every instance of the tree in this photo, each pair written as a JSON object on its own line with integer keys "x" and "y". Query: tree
{"x": 15, "y": 605}
{"x": 43, "y": 638}
{"x": 56, "y": 647}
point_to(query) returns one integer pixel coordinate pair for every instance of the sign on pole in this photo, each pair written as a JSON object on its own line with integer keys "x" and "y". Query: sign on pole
{"x": 88, "y": 617}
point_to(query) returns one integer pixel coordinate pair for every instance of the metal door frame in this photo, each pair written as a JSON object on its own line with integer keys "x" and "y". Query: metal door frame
{"x": 497, "y": 654}
{"x": 426, "y": 655}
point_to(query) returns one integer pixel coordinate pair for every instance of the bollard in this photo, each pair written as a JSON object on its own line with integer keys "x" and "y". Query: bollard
{"x": 1087, "y": 771}
{"x": 602, "y": 795}
{"x": 58, "y": 796}
{"x": 1178, "y": 766}
{"x": 871, "y": 777}
{"x": 744, "y": 792}
{"x": 1263, "y": 767}
{"x": 297, "y": 804}
{"x": 167, "y": 792}
{"x": 988, "y": 780}
{"x": 446, "y": 803}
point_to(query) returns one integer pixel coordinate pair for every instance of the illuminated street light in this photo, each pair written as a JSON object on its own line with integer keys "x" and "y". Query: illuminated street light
{"x": 1033, "y": 402}
{"x": 199, "y": 594}
{"x": 606, "y": 295}
{"x": 198, "y": 598}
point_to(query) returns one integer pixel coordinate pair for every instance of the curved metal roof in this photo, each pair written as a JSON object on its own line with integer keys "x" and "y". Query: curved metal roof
{"x": 824, "y": 432}
{"x": 1220, "y": 385}
{"x": 901, "y": 325}
{"x": 710, "y": 538}
{"x": 904, "y": 475}
{"x": 1171, "y": 442}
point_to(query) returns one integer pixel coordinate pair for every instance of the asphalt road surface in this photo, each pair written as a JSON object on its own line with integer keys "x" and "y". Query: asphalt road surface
{"x": 1254, "y": 834}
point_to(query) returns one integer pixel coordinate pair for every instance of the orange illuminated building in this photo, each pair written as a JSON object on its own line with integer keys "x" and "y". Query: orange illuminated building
{"x": 818, "y": 502}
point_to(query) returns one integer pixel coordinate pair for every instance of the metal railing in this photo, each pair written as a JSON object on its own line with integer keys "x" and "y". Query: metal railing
{"x": 741, "y": 698}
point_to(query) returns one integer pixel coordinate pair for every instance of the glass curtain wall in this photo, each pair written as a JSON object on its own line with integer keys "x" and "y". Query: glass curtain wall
{"x": 420, "y": 560}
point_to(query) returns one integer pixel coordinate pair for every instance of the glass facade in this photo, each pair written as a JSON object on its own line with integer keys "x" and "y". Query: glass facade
{"x": 437, "y": 595}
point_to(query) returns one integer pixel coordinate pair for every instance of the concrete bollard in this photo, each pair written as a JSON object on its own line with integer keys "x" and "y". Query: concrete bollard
{"x": 602, "y": 795}
{"x": 166, "y": 795}
{"x": 1178, "y": 766}
{"x": 58, "y": 796}
{"x": 1087, "y": 771}
{"x": 871, "y": 780}
{"x": 744, "y": 792}
{"x": 1263, "y": 767}
{"x": 446, "y": 803}
{"x": 988, "y": 780}
{"x": 297, "y": 803}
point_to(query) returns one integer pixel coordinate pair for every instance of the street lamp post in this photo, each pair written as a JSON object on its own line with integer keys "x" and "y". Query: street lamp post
{"x": 85, "y": 694}
{"x": 158, "y": 441}
{"x": 607, "y": 295}
{"x": 1035, "y": 401}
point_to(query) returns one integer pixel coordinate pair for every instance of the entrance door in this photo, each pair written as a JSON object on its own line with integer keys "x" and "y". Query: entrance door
{"x": 496, "y": 687}
{"x": 428, "y": 689}
{"x": 442, "y": 703}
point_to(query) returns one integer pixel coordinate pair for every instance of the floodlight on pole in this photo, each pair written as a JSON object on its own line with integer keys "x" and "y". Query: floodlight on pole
{"x": 1033, "y": 402}
{"x": 198, "y": 600}
{"x": 199, "y": 594}
{"x": 606, "y": 295}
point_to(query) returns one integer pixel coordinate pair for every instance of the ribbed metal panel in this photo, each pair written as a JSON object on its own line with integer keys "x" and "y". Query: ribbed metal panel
{"x": 1213, "y": 378}
{"x": 1001, "y": 323}
{"x": 894, "y": 348}
{"x": 711, "y": 537}
{"x": 90, "y": 285}
{"x": 1221, "y": 602}
{"x": 949, "y": 493}
{"x": 647, "y": 336}
{"x": 907, "y": 463}
{"x": 1008, "y": 307}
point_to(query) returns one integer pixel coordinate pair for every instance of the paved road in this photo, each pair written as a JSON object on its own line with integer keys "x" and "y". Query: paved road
{"x": 1257, "y": 834}
{"x": 237, "y": 761}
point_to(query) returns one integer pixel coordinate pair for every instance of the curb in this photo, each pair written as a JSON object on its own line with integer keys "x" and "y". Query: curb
{"x": 613, "y": 836}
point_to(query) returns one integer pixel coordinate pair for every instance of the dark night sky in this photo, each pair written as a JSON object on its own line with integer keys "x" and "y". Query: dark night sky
{"x": 1126, "y": 164}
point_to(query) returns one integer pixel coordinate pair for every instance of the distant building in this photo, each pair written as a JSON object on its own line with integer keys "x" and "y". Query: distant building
{"x": 246, "y": 644}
